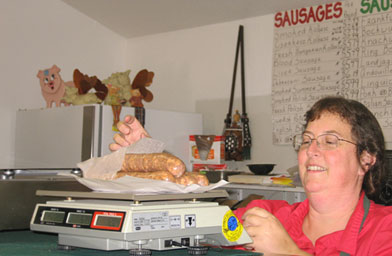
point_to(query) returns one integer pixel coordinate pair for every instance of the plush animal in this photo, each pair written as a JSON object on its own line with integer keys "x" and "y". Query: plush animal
{"x": 85, "y": 83}
{"x": 136, "y": 98}
{"x": 120, "y": 84}
{"x": 52, "y": 86}
{"x": 139, "y": 91}
{"x": 113, "y": 97}
{"x": 80, "y": 94}
{"x": 73, "y": 97}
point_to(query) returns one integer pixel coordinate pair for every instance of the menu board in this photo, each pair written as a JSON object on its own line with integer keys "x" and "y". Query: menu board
{"x": 341, "y": 48}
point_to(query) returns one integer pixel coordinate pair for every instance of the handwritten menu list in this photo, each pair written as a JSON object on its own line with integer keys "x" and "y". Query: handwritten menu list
{"x": 341, "y": 48}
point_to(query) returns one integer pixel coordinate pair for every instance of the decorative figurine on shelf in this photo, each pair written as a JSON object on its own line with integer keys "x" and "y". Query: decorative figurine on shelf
{"x": 121, "y": 81}
{"x": 52, "y": 86}
{"x": 73, "y": 97}
{"x": 113, "y": 97}
{"x": 136, "y": 98}
{"x": 119, "y": 86}
{"x": 85, "y": 83}
{"x": 114, "y": 100}
{"x": 80, "y": 93}
{"x": 139, "y": 92}
{"x": 142, "y": 80}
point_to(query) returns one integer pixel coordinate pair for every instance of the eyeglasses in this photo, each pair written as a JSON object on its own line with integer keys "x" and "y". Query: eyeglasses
{"x": 324, "y": 141}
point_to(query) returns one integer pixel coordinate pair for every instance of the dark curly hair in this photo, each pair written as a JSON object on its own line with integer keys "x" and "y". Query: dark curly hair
{"x": 366, "y": 132}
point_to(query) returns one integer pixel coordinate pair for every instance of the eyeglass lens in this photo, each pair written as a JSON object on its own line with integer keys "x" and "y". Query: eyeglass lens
{"x": 324, "y": 141}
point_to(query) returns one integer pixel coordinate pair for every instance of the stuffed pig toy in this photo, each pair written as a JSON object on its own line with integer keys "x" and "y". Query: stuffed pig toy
{"x": 52, "y": 86}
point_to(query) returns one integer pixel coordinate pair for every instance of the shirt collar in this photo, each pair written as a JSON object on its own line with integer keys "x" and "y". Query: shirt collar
{"x": 294, "y": 225}
{"x": 349, "y": 239}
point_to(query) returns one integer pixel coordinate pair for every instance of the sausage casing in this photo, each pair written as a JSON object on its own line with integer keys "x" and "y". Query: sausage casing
{"x": 153, "y": 162}
{"x": 189, "y": 178}
{"x": 156, "y": 175}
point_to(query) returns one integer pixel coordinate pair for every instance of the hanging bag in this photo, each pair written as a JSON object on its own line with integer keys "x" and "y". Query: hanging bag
{"x": 237, "y": 133}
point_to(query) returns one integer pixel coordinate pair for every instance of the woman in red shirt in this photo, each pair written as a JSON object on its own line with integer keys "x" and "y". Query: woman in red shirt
{"x": 341, "y": 165}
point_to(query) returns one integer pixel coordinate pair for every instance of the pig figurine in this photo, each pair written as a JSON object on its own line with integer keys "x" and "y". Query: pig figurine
{"x": 52, "y": 86}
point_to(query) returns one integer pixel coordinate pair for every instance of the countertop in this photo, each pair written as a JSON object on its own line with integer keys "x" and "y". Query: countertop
{"x": 26, "y": 242}
{"x": 264, "y": 187}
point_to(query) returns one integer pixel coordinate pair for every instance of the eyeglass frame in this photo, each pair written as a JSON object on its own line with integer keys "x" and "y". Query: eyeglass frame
{"x": 317, "y": 142}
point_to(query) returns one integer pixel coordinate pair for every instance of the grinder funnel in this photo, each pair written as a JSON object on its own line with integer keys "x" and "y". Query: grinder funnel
{"x": 204, "y": 144}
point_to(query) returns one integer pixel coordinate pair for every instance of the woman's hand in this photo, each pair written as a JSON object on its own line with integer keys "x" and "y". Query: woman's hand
{"x": 130, "y": 131}
{"x": 268, "y": 234}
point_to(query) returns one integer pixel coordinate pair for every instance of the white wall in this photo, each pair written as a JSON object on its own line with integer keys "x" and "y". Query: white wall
{"x": 37, "y": 34}
{"x": 193, "y": 71}
{"x": 193, "y": 68}
{"x": 198, "y": 63}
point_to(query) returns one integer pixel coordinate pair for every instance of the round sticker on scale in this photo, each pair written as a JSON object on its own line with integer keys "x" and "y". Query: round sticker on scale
{"x": 231, "y": 227}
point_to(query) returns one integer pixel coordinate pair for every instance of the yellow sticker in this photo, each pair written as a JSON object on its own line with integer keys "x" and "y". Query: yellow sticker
{"x": 231, "y": 227}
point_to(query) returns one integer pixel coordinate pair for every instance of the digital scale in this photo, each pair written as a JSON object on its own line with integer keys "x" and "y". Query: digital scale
{"x": 139, "y": 223}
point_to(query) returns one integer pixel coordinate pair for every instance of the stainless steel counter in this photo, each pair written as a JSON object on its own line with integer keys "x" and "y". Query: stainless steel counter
{"x": 18, "y": 195}
{"x": 239, "y": 191}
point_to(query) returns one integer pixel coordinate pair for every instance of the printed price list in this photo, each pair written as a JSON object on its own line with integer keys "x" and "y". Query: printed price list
{"x": 349, "y": 54}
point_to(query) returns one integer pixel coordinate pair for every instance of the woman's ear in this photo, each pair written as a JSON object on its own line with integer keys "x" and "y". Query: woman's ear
{"x": 367, "y": 160}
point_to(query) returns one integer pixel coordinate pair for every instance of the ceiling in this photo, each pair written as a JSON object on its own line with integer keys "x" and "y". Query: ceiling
{"x": 134, "y": 18}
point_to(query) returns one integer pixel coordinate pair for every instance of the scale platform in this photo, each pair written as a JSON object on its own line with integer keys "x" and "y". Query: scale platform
{"x": 116, "y": 221}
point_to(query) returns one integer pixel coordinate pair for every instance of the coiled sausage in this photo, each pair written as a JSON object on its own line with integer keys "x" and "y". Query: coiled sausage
{"x": 153, "y": 162}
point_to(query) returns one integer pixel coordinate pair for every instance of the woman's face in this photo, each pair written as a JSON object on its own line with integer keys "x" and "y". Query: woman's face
{"x": 331, "y": 171}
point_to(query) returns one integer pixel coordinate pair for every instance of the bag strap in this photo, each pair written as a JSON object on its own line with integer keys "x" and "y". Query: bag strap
{"x": 239, "y": 48}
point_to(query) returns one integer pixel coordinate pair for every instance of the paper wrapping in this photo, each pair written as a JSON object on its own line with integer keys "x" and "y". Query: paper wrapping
{"x": 107, "y": 166}
{"x": 98, "y": 173}
{"x": 141, "y": 186}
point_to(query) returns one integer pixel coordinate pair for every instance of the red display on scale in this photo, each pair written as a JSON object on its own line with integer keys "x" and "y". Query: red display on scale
{"x": 107, "y": 220}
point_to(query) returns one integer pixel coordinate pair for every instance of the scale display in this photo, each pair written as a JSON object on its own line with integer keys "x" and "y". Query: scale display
{"x": 80, "y": 218}
{"x": 105, "y": 220}
{"x": 108, "y": 221}
{"x": 53, "y": 216}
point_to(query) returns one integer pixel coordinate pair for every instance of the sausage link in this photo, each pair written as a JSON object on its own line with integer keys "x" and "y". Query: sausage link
{"x": 153, "y": 162}
{"x": 155, "y": 175}
{"x": 189, "y": 178}
{"x": 202, "y": 179}
{"x": 186, "y": 179}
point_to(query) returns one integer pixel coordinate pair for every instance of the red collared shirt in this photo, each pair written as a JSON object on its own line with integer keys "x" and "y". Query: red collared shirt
{"x": 375, "y": 237}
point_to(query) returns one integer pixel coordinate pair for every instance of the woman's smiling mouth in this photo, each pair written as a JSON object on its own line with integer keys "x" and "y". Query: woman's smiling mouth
{"x": 315, "y": 168}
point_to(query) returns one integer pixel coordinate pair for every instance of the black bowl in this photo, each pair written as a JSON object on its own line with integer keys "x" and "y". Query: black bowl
{"x": 261, "y": 169}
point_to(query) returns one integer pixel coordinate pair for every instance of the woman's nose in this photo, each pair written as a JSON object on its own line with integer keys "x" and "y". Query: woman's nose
{"x": 313, "y": 148}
